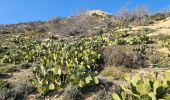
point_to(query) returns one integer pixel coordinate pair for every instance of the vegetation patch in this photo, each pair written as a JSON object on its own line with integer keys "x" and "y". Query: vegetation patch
{"x": 8, "y": 69}
{"x": 123, "y": 56}
{"x": 143, "y": 88}
{"x": 166, "y": 43}
{"x": 69, "y": 63}
{"x": 139, "y": 39}
{"x": 19, "y": 91}
{"x": 72, "y": 93}
{"x": 85, "y": 55}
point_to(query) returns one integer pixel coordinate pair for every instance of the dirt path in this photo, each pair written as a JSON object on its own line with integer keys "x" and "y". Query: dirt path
{"x": 22, "y": 74}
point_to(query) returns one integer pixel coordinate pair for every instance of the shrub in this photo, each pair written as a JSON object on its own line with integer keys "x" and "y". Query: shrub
{"x": 109, "y": 23}
{"x": 7, "y": 94}
{"x": 22, "y": 27}
{"x": 122, "y": 56}
{"x": 23, "y": 88}
{"x": 158, "y": 16}
{"x": 154, "y": 59}
{"x": 103, "y": 95}
{"x": 3, "y": 49}
{"x": 26, "y": 66}
{"x": 8, "y": 69}
{"x": 19, "y": 91}
{"x": 161, "y": 37}
{"x": 5, "y": 32}
{"x": 72, "y": 93}
{"x": 83, "y": 24}
{"x": 147, "y": 30}
{"x": 123, "y": 17}
{"x": 3, "y": 84}
{"x": 145, "y": 21}
{"x": 138, "y": 16}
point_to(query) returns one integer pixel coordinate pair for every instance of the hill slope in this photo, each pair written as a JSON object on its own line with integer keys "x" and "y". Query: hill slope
{"x": 87, "y": 57}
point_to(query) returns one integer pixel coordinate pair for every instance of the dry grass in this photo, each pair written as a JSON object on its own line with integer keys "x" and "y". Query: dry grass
{"x": 115, "y": 72}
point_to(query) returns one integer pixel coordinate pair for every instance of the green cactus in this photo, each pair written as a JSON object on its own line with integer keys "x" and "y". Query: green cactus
{"x": 166, "y": 43}
{"x": 145, "y": 89}
{"x": 66, "y": 63}
{"x": 139, "y": 39}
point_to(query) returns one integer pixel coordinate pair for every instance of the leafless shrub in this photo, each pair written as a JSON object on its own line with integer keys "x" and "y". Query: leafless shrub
{"x": 141, "y": 16}
{"x": 109, "y": 23}
{"x": 123, "y": 56}
{"x": 83, "y": 24}
{"x": 138, "y": 16}
{"x": 54, "y": 24}
{"x": 72, "y": 93}
{"x": 140, "y": 12}
{"x": 123, "y": 17}
{"x": 80, "y": 11}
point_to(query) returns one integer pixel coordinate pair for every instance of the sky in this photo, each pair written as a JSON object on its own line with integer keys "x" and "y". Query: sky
{"x": 16, "y": 11}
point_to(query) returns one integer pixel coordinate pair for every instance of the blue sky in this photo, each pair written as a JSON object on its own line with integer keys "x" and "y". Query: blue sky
{"x": 15, "y": 11}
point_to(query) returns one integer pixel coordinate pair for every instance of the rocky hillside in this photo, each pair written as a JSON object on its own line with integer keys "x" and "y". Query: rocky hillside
{"x": 93, "y": 56}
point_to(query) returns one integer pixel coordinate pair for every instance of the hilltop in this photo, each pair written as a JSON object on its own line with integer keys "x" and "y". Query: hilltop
{"x": 92, "y": 56}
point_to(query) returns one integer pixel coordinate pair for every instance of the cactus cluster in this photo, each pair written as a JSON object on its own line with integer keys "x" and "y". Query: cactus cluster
{"x": 123, "y": 38}
{"x": 166, "y": 43}
{"x": 139, "y": 39}
{"x": 145, "y": 88}
{"x": 68, "y": 63}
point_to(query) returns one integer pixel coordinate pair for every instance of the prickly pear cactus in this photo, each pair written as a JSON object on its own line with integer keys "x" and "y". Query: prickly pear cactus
{"x": 145, "y": 89}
